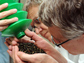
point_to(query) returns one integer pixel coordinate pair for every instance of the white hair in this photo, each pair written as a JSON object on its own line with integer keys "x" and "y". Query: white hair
{"x": 30, "y": 3}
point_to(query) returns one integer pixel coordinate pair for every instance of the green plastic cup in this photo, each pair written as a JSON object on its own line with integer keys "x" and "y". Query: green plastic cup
{"x": 18, "y": 6}
{"x": 17, "y": 29}
{"x": 19, "y": 15}
{"x": 8, "y": 1}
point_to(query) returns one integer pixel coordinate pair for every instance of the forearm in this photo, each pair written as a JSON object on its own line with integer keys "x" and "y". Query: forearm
{"x": 56, "y": 55}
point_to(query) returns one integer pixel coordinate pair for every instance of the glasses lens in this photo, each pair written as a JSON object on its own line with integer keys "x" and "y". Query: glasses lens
{"x": 37, "y": 21}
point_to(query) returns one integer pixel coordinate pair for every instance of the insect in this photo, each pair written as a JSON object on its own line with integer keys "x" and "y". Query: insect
{"x": 29, "y": 48}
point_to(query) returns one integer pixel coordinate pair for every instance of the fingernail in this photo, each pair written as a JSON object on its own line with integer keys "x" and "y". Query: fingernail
{"x": 16, "y": 19}
{"x": 14, "y": 10}
{"x": 33, "y": 41}
{"x": 6, "y": 4}
{"x": 40, "y": 29}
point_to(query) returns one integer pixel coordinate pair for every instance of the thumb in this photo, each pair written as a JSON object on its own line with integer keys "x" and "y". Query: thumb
{"x": 33, "y": 35}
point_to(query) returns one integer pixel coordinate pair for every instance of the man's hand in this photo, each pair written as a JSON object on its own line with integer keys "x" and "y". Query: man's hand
{"x": 20, "y": 57}
{"x": 43, "y": 44}
{"x": 5, "y": 22}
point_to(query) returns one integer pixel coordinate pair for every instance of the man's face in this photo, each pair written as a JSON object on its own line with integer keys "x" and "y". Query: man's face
{"x": 33, "y": 13}
{"x": 74, "y": 46}
{"x": 42, "y": 29}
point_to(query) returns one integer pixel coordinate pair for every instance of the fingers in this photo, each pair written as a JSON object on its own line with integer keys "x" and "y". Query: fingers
{"x": 14, "y": 43}
{"x": 39, "y": 41}
{"x": 15, "y": 57}
{"x": 26, "y": 40}
{"x": 11, "y": 38}
{"x": 6, "y": 44}
{"x": 3, "y": 27}
{"x": 8, "y": 21}
{"x": 36, "y": 58}
{"x": 38, "y": 30}
{"x": 9, "y": 52}
{"x": 13, "y": 50}
{"x": 26, "y": 57}
{"x": 4, "y": 23}
{"x": 8, "y": 41}
{"x": 13, "y": 53}
{"x": 10, "y": 47}
{"x": 7, "y": 13}
{"x": 32, "y": 35}
{"x": 3, "y": 6}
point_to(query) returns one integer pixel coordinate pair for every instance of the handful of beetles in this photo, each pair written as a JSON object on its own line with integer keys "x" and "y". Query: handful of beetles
{"x": 29, "y": 48}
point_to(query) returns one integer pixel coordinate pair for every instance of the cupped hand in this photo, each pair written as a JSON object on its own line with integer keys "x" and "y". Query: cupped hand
{"x": 36, "y": 58}
{"x": 37, "y": 40}
{"x": 15, "y": 41}
{"x": 43, "y": 44}
{"x": 21, "y": 57}
{"x": 13, "y": 51}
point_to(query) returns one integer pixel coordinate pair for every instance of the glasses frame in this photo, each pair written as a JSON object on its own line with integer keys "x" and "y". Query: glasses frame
{"x": 58, "y": 45}
{"x": 38, "y": 22}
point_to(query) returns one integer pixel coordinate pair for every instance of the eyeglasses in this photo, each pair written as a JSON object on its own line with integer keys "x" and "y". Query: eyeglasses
{"x": 36, "y": 21}
{"x": 58, "y": 45}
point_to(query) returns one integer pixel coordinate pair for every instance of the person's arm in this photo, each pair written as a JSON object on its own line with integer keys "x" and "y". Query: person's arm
{"x": 47, "y": 47}
{"x": 56, "y": 55}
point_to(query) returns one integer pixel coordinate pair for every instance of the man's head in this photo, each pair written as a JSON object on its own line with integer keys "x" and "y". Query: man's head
{"x": 66, "y": 14}
{"x": 32, "y": 6}
{"x": 65, "y": 19}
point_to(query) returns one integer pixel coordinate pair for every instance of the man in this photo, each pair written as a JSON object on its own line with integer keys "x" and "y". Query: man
{"x": 43, "y": 30}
